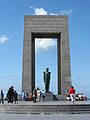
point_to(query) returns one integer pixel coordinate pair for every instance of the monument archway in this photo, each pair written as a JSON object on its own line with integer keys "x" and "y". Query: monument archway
{"x": 46, "y": 27}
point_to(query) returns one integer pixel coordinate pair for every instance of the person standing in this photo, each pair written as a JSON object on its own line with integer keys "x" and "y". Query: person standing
{"x": 34, "y": 95}
{"x": 72, "y": 94}
{"x": 10, "y": 94}
{"x": 43, "y": 95}
{"x": 38, "y": 94}
{"x": 23, "y": 95}
{"x": 1, "y": 97}
{"x": 15, "y": 97}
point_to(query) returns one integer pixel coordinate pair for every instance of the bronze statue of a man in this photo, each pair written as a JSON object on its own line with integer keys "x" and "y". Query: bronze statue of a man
{"x": 47, "y": 79}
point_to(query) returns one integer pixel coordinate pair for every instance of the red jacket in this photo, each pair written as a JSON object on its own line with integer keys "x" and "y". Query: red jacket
{"x": 72, "y": 91}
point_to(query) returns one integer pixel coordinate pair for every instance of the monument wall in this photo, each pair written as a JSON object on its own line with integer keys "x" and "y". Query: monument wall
{"x": 42, "y": 26}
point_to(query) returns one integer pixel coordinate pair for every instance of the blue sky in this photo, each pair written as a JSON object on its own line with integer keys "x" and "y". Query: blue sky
{"x": 11, "y": 39}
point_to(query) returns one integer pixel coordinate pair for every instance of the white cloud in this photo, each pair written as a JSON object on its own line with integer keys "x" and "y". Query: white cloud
{"x": 65, "y": 12}
{"x": 53, "y": 13}
{"x": 42, "y": 11}
{"x": 3, "y": 38}
{"x": 44, "y": 43}
{"x": 39, "y": 11}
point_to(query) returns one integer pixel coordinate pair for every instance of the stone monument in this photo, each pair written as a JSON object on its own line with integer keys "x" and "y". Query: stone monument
{"x": 44, "y": 26}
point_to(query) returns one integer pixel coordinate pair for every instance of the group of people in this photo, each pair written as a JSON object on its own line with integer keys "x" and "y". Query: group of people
{"x": 35, "y": 96}
{"x": 11, "y": 96}
{"x": 72, "y": 96}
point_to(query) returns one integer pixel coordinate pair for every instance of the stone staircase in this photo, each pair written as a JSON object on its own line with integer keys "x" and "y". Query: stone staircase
{"x": 44, "y": 109}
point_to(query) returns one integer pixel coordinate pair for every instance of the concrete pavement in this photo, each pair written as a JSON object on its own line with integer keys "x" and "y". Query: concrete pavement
{"x": 48, "y": 103}
{"x": 45, "y": 117}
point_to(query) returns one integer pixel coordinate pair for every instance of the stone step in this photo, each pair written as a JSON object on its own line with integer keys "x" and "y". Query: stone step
{"x": 44, "y": 109}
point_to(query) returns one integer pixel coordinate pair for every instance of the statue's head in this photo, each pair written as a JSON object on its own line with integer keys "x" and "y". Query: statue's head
{"x": 47, "y": 69}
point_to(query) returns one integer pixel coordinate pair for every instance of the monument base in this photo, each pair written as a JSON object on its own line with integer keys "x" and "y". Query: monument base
{"x": 59, "y": 97}
{"x": 49, "y": 96}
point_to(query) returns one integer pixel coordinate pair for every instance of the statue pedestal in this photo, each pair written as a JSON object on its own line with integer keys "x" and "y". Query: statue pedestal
{"x": 49, "y": 96}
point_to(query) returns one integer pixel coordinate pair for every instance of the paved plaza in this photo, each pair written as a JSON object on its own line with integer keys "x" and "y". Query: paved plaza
{"x": 64, "y": 102}
{"x": 45, "y": 117}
